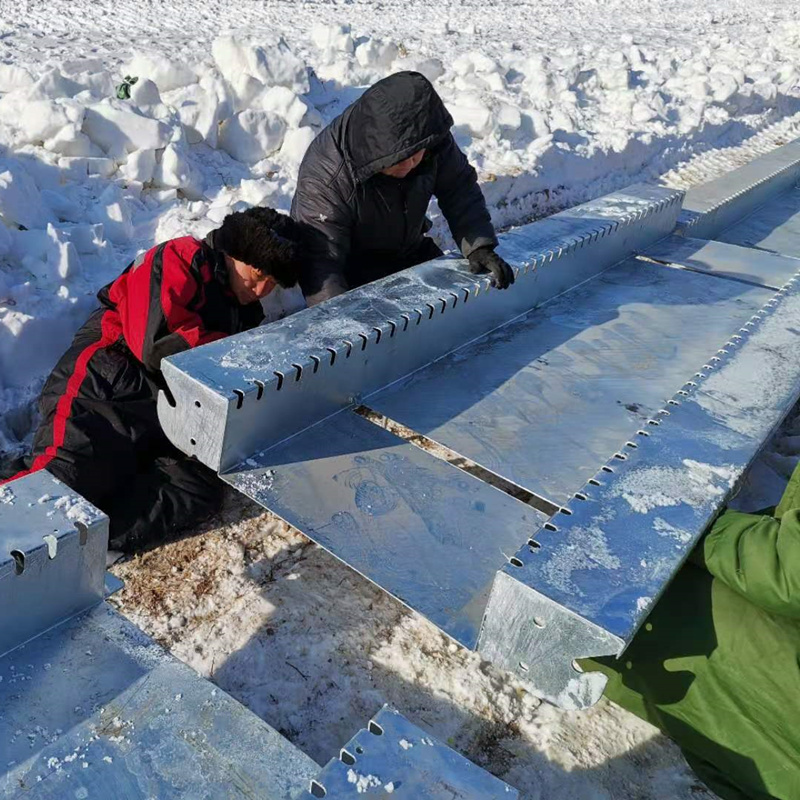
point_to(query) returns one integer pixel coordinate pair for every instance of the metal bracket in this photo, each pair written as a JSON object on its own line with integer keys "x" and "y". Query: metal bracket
{"x": 52, "y": 556}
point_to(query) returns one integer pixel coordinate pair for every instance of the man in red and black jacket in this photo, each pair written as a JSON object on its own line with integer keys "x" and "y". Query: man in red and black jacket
{"x": 99, "y": 430}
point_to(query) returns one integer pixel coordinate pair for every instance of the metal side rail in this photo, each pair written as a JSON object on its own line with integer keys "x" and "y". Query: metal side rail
{"x": 540, "y": 384}
{"x": 248, "y": 392}
{"x": 92, "y": 707}
{"x": 713, "y": 207}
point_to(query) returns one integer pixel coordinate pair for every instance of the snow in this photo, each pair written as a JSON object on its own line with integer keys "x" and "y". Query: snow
{"x": 555, "y": 104}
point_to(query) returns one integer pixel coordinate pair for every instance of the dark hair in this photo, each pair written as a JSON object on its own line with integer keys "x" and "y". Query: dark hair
{"x": 265, "y": 239}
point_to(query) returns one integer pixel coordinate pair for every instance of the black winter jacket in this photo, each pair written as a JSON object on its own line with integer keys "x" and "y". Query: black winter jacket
{"x": 363, "y": 225}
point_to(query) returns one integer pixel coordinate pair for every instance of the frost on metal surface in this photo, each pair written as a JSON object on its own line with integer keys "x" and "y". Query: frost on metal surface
{"x": 253, "y": 390}
{"x": 607, "y": 557}
{"x": 52, "y": 556}
{"x": 392, "y": 757}
{"x": 93, "y": 708}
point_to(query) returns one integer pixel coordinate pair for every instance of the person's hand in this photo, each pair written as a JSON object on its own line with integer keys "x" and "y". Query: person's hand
{"x": 484, "y": 259}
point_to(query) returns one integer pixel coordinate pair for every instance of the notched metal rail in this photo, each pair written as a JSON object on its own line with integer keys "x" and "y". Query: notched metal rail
{"x": 251, "y": 391}
{"x": 584, "y": 580}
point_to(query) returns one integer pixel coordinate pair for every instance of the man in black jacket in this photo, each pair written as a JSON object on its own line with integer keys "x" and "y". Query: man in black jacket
{"x": 99, "y": 431}
{"x": 365, "y": 184}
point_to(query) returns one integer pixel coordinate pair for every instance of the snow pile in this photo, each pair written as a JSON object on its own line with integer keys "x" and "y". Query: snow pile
{"x": 91, "y": 175}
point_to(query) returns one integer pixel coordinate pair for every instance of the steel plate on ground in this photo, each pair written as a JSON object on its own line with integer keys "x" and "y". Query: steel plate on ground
{"x": 393, "y": 757}
{"x": 758, "y": 267}
{"x": 423, "y": 530}
{"x": 93, "y": 708}
{"x": 546, "y": 399}
{"x": 775, "y": 226}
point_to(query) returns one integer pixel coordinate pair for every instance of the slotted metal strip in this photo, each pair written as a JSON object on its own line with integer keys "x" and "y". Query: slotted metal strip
{"x": 423, "y": 530}
{"x": 247, "y": 392}
{"x": 545, "y": 399}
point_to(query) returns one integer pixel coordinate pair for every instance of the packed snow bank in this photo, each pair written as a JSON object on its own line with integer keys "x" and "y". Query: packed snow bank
{"x": 89, "y": 178}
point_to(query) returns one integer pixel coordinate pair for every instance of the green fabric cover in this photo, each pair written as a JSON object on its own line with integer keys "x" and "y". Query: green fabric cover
{"x": 717, "y": 664}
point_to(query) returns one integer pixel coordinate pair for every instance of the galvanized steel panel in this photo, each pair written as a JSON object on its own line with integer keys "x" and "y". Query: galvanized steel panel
{"x": 545, "y": 399}
{"x": 758, "y": 267}
{"x": 775, "y": 226}
{"x": 394, "y": 758}
{"x": 52, "y": 556}
{"x": 609, "y": 555}
{"x": 95, "y": 709}
{"x": 421, "y": 529}
{"x": 250, "y": 391}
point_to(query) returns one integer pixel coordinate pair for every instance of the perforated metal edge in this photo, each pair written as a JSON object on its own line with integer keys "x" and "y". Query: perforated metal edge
{"x": 540, "y": 640}
{"x": 222, "y": 426}
{"x": 738, "y": 195}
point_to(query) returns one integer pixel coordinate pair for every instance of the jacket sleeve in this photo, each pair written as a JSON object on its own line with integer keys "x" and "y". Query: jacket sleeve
{"x": 326, "y": 221}
{"x": 759, "y": 558}
{"x": 461, "y": 199}
{"x": 163, "y": 294}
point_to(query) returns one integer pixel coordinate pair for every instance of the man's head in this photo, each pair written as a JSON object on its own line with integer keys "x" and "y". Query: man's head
{"x": 402, "y": 168}
{"x": 261, "y": 249}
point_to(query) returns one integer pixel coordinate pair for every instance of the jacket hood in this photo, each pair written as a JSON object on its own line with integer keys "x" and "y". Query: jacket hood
{"x": 392, "y": 120}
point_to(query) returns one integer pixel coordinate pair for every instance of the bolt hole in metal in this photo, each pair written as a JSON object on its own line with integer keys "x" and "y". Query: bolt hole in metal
{"x": 279, "y": 376}
{"x": 594, "y": 482}
{"x": 19, "y": 561}
{"x": 533, "y": 544}
{"x": 580, "y": 496}
{"x": 363, "y": 341}
{"x": 298, "y": 372}
{"x": 515, "y": 562}
{"x": 240, "y": 397}
{"x": 607, "y": 469}
{"x": 347, "y": 758}
{"x": 192, "y": 442}
{"x": 566, "y": 511}
{"x": 359, "y": 749}
{"x": 632, "y": 445}
{"x": 523, "y": 666}
{"x": 374, "y": 728}
{"x": 378, "y": 333}
{"x": 260, "y": 385}
{"x": 333, "y": 354}
{"x": 620, "y": 456}
{"x": 198, "y": 404}
{"x": 539, "y": 623}
{"x": 317, "y": 789}
{"x": 548, "y": 526}
{"x": 316, "y": 361}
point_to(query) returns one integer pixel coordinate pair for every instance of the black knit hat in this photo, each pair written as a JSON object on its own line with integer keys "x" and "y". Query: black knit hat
{"x": 265, "y": 239}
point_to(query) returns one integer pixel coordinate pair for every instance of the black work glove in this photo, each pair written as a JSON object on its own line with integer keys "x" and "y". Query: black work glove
{"x": 484, "y": 259}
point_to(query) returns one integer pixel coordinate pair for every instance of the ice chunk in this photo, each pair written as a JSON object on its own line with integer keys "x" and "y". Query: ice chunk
{"x": 144, "y": 93}
{"x": 13, "y": 77}
{"x": 431, "y": 68}
{"x": 119, "y": 130}
{"x": 198, "y": 110}
{"x": 295, "y": 144}
{"x": 273, "y": 65}
{"x": 375, "y": 53}
{"x": 252, "y": 135}
{"x": 164, "y": 72}
{"x": 36, "y": 120}
{"x": 80, "y": 167}
{"x": 53, "y": 85}
{"x": 70, "y": 141}
{"x": 472, "y": 115}
{"x": 140, "y": 166}
{"x": 112, "y": 210}
{"x": 20, "y": 199}
{"x": 285, "y": 103}
{"x": 177, "y": 171}
{"x": 332, "y": 39}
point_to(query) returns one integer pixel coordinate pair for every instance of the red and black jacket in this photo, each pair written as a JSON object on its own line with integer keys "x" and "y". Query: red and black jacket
{"x": 175, "y": 297}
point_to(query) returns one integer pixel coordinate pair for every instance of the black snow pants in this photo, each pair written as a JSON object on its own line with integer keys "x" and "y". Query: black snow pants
{"x": 99, "y": 433}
